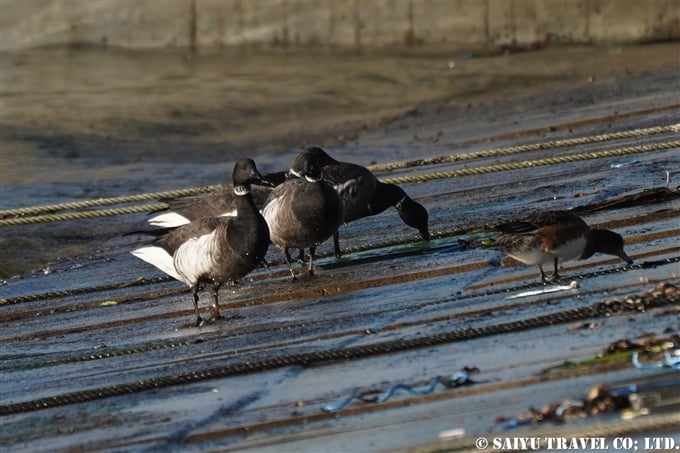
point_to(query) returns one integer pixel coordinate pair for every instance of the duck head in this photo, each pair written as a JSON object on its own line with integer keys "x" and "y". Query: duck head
{"x": 607, "y": 242}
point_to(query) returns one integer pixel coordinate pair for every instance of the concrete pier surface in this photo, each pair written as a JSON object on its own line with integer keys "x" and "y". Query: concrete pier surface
{"x": 96, "y": 353}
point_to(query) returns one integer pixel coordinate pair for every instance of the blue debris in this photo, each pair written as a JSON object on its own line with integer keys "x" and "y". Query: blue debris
{"x": 458, "y": 379}
{"x": 671, "y": 361}
{"x": 517, "y": 422}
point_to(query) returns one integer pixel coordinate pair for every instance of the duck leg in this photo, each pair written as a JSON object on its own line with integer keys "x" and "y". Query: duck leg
{"x": 312, "y": 250}
{"x": 194, "y": 294}
{"x": 555, "y": 274}
{"x": 336, "y": 243}
{"x": 286, "y": 253}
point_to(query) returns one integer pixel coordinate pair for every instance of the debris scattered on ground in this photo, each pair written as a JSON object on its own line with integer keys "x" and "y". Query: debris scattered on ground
{"x": 599, "y": 399}
{"x": 630, "y": 399}
{"x": 457, "y": 379}
{"x": 648, "y": 343}
{"x": 648, "y": 352}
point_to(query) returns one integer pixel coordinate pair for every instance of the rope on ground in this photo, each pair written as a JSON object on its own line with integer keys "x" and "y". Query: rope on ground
{"x": 495, "y": 152}
{"x": 533, "y": 163}
{"x": 80, "y": 215}
{"x": 398, "y": 180}
{"x": 35, "y": 210}
{"x": 49, "y": 209}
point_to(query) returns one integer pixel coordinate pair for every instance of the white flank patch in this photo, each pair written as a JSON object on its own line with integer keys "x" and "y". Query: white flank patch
{"x": 271, "y": 211}
{"x": 532, "y": 256}
{"x": 570, "y": 250}
{"x": 168, "y": 220}
{"x": 158, "y": 257}
{"x": 196, "y": 257}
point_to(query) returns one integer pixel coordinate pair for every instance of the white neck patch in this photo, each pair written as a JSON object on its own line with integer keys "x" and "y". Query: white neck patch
{"x": 297, "y": 174}
{"x": 310, "y": 179}
{"x": 241, "y": 190}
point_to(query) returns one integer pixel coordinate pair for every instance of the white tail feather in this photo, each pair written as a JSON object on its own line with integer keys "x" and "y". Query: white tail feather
{"x": 172, "y": 219}
{"x": 168, "y": 220}
{"x": 160, "y": 258}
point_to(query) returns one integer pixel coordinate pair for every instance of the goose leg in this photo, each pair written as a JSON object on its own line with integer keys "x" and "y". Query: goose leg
{"x": 286, "y": 253}
{"x": 194, "y": 294}
{"x": 216, "y": 306}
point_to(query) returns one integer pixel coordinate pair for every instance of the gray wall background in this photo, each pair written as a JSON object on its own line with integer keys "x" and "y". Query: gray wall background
{"x": 333, "y": 23}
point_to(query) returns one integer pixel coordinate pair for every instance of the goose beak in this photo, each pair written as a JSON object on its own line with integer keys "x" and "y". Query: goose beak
{"x": 256, "y": 178}
{"x": 625, "y": 257}
{"x": 266, "y": 182}
{"x": 273, "y": 179}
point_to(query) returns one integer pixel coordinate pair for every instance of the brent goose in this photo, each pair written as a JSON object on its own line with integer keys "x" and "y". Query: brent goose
{"x": 556, "y": 235}
{"x": 221, "y": 202}
{"x": 362, "y": 194}
{"x": 215, "y": 250}
{"x": 303, "y": 212}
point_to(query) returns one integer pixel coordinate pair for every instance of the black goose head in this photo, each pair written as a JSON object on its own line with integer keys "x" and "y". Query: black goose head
{"x": 307, "y": 166}
{"x": 322, "y": 156}
{"x": 245, "y": 174}
{"x": 414, "y": 215}
{"x": 296, "y": 171}
{"x": 607, "y": 242}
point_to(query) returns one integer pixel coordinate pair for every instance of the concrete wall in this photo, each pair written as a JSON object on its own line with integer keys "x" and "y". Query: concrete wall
{"x": 332, "y": 23}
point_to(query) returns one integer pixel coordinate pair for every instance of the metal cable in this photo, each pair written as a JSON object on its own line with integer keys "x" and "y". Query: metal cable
{"x": 76, "y": 291}
{"x": 103, "y": 354}
{"x": 457, "y": 231}
{"x": 644, "y": 302}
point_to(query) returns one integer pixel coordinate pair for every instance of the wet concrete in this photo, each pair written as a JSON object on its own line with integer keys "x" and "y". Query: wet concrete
{"x": 133, "y": 333}
{"x": 81, "y": 123}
